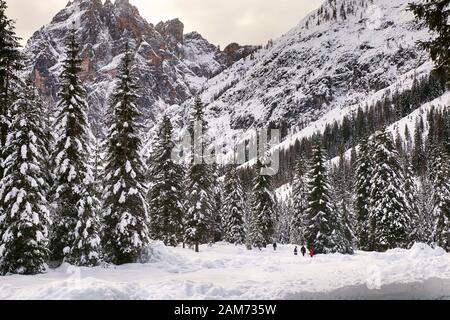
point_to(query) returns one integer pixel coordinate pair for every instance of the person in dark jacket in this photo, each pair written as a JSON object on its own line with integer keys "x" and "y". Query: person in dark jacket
{"x": 295, "y": 251}
{"x": 274, "y": 246}
{"x": 303, "y": 250}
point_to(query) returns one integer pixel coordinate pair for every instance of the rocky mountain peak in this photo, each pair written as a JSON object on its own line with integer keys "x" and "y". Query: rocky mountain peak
{"x": 170, "y": 66}
{"x": 172, "y": 29}
{"x": 126, "y": 6}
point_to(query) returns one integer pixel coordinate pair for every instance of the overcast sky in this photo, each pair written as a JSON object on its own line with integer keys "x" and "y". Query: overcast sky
{"x": 219, "y": 21}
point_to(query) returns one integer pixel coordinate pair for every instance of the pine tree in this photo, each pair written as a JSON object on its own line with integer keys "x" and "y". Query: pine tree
{"x": 418, "y": 153}
{"x": 165, "y": 195}
{"x": 425, "y": 205}
{"x": 299, "y": 204}
{"x": 74, "y": 234}
{"x": 324, "y": 232}
{"x": 199, "y": 195}
{"x": 125, "y": 233}
{"x": 389, "y": 215}
{"x": 346, "y": 224}
{"x": 439, "y": 176}
{"x": 342, "y": 182}
{"x": 215, "y": 224}
{"x": 24, "y": 244}
{"x": 363, "y": 173}
{"x": 263, "y": 209}
{"x": 435, "y": 15}
{"x": 11, "y": 61}
{"x": 412, "y": 200}
{"x": 233, "y": 209}
{"x": 283, "y": 221}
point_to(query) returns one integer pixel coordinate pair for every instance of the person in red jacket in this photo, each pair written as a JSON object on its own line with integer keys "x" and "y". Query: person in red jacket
{"x": 311, "y": 252}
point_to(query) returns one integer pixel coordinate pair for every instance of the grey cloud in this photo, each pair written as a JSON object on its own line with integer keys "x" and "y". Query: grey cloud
{"x": 220, "y": 21}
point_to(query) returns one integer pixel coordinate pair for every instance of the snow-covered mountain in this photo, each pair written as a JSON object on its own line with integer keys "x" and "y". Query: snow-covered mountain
{"x": 343, "y": 55}
{"x": 170, "y": 65}
{"x": 346, "y": 54}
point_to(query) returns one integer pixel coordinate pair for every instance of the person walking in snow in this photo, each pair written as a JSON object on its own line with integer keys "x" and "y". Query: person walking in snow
{"x": 311, "y": 252}
{"x": 303, "y": 250}
{"x": 274, "y": 246}
{"x": 295, "y": 251}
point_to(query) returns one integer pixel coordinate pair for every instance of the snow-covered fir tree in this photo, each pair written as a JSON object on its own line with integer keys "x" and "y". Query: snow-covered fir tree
{"x": 389, "y": 214}
{"x": 283, "y": 221}
{"x": 199, "y": 195}
{"x": 86, "y": 248}
{"x": 324, "y": 232}
{"x": 435, "y": 15}
{"x": 125, "y": 232}
{"x": 166, "y": 195}
{"x": 10, "y": 63}
{"x": 412, "y": 200}
{"x": 262, "y": 227}
{"x": 439, "y": 176}
{"x": 74, "y": 234}
{"x": 23, "y": 189}
{"x": 346, "y": 235}
{"x": 299, "y": 204}
{"x": 342, "y": 181}
{"x": 233, "y": 207}
{"x": 216, "y": 230}
{"x": 425, "y": 205}
{"x": 363, "y": 173}
{"x": 418, "y": 157}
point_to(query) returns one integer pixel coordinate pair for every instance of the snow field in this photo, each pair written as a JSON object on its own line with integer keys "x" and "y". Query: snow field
{"x": 224, "y": 271}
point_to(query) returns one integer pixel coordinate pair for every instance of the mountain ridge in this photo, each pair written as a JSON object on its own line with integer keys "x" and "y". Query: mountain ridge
{"x": 170, "y": 66}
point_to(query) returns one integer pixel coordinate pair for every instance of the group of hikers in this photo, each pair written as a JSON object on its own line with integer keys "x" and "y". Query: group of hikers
{"x": 302, "y": 250}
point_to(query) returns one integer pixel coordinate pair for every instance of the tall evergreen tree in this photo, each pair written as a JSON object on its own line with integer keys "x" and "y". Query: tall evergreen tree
{"x": 165, "y": 195}
{"x": 363, "y": 174}
{"x": 345, "y": 222}
{"x": 283, "y": 221}
{"x": 418, "y": 157}
{"x": 389, "y": 214}
{"x": 199, "y": 195}
{"x": 24, "y": 244}
{"x": 412, "y": 200}
{"x": 299, "y": 205}
{"x": 440, "y": 174}
{"x": 263, "y": 209}
{"x": 72, "y": 171}
{"x": 233, "y": 209}
{"x": 435, "y": 15}
{"x": 425, "y": 204}
{"x": 215, "y": 224}
{"x": 324, "y": 231}
{"x": 126, "y": 219}
{"x": 10, "y": 64}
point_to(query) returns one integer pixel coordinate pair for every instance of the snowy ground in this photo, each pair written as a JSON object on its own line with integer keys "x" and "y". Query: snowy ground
{"x": 228, "y": 272}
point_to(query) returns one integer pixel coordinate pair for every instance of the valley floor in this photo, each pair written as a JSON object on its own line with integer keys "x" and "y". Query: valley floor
{"x": 228, "y": 272}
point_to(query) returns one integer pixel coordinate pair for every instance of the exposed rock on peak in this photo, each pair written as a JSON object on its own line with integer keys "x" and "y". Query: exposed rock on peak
{"x": 234, "y": 52}
{"x": 170, "y": 66}
{"x": 172, "y": 29}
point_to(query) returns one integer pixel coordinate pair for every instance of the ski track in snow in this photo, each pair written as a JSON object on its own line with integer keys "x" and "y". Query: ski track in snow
{"x": 231, "y": 272}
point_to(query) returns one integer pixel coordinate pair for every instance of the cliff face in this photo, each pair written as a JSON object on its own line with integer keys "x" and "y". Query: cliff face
{"x": 338, "y": 56}
{"x": 169, "y": 65}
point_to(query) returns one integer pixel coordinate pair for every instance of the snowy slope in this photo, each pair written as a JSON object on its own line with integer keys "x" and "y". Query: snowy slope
{"x": 442, "y": 102}
{"x": 318, "y": 68}
{"x": 230, "y": 272}
{"x": 319, "y": 72}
